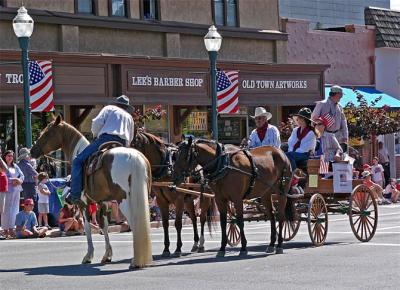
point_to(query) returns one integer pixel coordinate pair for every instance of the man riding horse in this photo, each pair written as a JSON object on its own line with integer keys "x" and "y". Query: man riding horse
{"x": 113, "y": 123}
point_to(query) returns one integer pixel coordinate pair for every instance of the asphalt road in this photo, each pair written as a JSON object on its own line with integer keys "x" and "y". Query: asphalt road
{"x": 342, "y": 263}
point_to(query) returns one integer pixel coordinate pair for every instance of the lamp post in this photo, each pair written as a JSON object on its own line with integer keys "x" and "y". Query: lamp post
{"x": 213, "y": 41}
{"x": 23, "y": 28}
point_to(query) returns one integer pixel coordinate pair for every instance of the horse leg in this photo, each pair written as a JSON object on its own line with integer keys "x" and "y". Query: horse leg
{"x": 165, "y": 222}
{"x": 189, "y": 206}
{"x": 104, "y": 226}
{"x": 204, "y": 205}
{"x": 178, "y": 224}
{"x": 239, "y": 216}
{"x": 222, "y": 207}
{"x": 88, "y": 232}
{"x": 270, "y": 212}
{"x": 281, "y": 216}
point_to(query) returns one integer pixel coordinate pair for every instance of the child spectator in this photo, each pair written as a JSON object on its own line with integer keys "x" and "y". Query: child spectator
{"x": 70, "y": 220}
{"x": 43, "y": 201}
{"x": 376, "y": 189}
{"x": 26, "y": 222}
{"x": 377, "y": 172}
{"x": 391, "y": 191}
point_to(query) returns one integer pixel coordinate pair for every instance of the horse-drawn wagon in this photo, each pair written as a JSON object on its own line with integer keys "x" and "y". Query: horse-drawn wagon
{"x": 313, "y": 206}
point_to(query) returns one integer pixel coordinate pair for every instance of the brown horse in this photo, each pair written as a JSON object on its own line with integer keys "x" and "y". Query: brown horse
{"x": 124, "y": 175}
{"x": 160, "y": 156}
{"x": 234, "y": 175}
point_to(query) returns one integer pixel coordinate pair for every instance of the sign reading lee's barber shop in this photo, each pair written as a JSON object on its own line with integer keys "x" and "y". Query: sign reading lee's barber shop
{"x": 166, "y": 81}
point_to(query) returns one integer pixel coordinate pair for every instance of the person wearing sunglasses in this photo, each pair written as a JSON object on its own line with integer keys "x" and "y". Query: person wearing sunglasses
{"x": 329, "y": 145}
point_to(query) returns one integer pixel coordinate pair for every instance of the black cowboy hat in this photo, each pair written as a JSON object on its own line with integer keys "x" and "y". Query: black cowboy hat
{"x": 304, "y": 113}
{"x": 123, "y": 102}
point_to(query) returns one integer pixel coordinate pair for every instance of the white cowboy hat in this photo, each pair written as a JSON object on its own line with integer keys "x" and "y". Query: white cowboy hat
{"x": 260, "y": 111}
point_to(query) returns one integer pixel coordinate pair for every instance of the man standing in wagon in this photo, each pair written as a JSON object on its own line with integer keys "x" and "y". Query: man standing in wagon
{"x": 332, "y": 111}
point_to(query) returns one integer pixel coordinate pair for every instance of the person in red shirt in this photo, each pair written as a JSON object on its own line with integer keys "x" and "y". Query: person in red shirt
{"x": 3, "y": 187}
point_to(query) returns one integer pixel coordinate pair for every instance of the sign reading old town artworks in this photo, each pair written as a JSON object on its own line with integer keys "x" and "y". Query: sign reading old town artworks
{"x": 166, "y": 81}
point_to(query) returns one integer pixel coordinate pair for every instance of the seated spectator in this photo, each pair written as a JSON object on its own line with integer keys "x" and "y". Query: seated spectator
{"x": 70, "y": 219}
{"x": 43, "y": 200}
{"x": 391, "y": 191}
{"x": 26, "y": 222}
{"x": 92, "y": 213}
{"x": 115, "y": 212}
{"x": 376, "y": 189}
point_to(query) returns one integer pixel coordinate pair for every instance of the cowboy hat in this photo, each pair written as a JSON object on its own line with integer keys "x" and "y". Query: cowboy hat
{"x": 23, "y": 153}
{"x": 123, "y": 102}
{"x": 365, "y": 174}
{"x": 260, "y": 111}
{"x": 336, "y": 89}
{"x": 304, "y": 113}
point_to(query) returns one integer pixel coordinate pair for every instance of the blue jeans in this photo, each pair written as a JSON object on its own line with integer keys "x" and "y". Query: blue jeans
{"x": 79, "y": 161}
{"x": 295, "y": 157}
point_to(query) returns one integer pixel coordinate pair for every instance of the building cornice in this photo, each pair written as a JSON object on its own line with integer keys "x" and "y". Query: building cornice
{"x": 83, "y": 20}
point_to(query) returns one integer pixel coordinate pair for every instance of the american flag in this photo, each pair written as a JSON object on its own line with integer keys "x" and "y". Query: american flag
{"x": 323, "y": 166}
{"x": 41, "y": 86}
{"x": 228, "y": 92}
{"x": 330, "y": 120}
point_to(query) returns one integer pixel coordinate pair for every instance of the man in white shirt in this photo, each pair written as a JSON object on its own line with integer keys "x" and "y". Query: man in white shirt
{"x": 113, "y": 123}
{"x": 383, "y": 156}
{"x": 377, "y": 172}
{"x": 265, "y": 133}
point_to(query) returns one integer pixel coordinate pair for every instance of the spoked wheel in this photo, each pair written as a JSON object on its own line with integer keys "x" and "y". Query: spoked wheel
{"x": 317, "y": 219}
{"x": 289, "y": 230}
{"x": 232, "y": 230}
{"x": 363, "y": 213}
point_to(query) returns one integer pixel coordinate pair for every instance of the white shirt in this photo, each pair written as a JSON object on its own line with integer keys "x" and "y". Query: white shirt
{"x": 377, "y": 171}
{"x": 272, "y": 138}
{"x": 113, "y": 120}
{"x": 307, "y": 144}
{"x": 42, "y": 197}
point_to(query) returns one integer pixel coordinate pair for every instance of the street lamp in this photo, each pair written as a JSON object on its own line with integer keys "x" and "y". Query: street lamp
{"x": 23, "y": 28}
{"x": 213, "y": 41}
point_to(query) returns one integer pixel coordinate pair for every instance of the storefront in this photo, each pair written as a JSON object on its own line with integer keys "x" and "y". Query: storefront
{"x": 83, "y": 83}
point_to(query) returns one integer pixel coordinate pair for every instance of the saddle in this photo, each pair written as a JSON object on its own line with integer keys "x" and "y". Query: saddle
{"x": 95, "y": 161}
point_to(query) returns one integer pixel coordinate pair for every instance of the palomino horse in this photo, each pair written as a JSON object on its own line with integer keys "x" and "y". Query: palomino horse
{"x": 234, "y": 175}
{"x": 160, "y": 156}
{"x": 125, "y": 175}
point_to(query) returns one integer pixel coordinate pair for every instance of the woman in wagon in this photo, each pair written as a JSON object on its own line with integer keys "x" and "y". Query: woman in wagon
{"x": 265, "y": 134}
{"x": 329, "y": 146}
{"x": 303, "y": 139}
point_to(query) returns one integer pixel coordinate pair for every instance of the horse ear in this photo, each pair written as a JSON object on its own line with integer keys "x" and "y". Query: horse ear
{"x": 58, "y": 120}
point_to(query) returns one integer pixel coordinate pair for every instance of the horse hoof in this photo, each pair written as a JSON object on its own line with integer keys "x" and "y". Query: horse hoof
{"x": 243, "y": 253}
{"x": 270, "y": 249}
{"x": 279, "y": 250}
{"x": 201, "y": 250}
{"x": 105, "y": 260}
{"x": 194, "y": 249}
{"x": 134, "y": 268}
{"x": 85, "y": 261}
{"x": 177, "y": 253}
{"x": 221, "y": 254}
{"x": 166, "y": 254}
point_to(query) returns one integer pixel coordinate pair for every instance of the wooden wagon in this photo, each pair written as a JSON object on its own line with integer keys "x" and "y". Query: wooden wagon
{"x": 313, "y": 207}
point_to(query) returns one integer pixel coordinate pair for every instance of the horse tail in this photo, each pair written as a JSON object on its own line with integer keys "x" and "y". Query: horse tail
{"x": 286, "y": 183}
{"x": 140, "y": 186}
{"x": 210, "y": 218}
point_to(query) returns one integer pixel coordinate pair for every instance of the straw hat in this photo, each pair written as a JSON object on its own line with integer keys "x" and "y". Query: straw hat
{"x": 260, "y": 111}
{"x": 336, "y": 89}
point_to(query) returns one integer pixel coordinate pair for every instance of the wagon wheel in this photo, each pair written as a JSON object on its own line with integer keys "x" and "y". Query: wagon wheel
{"x": 232, "y": 231}
{"x": 289, "y": 230}
{"x": 317, "y": 219}
{"x": 363, "y": 213}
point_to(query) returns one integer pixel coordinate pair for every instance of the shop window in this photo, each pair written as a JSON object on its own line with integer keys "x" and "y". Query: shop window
{"x": 397, "y": 143}
{"x": 85, "y": 6}
{"x": 150, "y": 10}
{"x": 118, "y": 8}
{"x": 225, "y": 12}
{"x": 157, "y": 127}
{"x": 197, "y": 122}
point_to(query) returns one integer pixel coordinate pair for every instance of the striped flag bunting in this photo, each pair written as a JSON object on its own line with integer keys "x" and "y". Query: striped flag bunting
{"x": 228, "y": 92}
{"x": 323, "y": 166}
{"x": 41, "y": 86}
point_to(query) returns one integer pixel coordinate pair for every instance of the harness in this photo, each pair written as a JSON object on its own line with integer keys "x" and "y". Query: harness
{"x": 165, "y": 167}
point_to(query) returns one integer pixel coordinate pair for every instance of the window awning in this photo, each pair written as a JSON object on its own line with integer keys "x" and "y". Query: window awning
{"x": 370, "y": 94}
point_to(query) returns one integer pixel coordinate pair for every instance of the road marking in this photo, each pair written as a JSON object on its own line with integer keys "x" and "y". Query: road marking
{"x": 379, "y": 244}
{"x": 388, "y": 228}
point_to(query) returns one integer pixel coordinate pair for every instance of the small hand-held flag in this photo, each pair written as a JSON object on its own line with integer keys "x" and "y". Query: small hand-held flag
{"x": 41, "y": 86}
{"x": 329, "y": 119}
{"x": 228, "y": 92}
{"x": 323, "y": 166}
